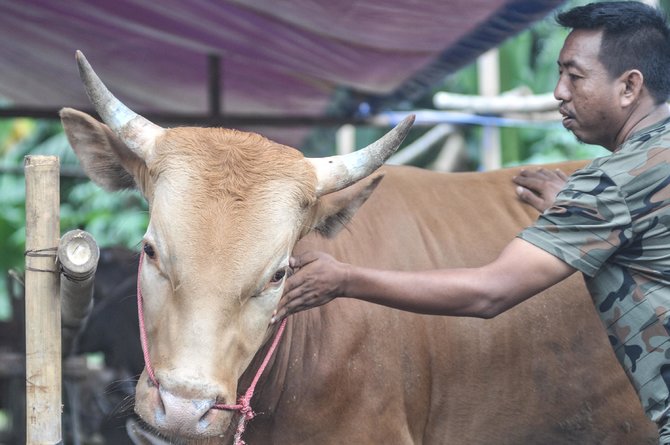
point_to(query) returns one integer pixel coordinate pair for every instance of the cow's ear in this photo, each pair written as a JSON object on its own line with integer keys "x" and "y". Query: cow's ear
{"x": 103, "y": 156}
{"x": 334, "y": 210}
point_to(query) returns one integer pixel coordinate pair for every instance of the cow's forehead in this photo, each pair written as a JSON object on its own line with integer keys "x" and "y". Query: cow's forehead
{"x": 230, "y": 194}
{"x": 223, "y": 164}
{"x": 210, "y": 148}
{"x": 239, "y": 170}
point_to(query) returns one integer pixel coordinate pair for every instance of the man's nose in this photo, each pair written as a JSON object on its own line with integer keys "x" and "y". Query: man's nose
{"x": 561, "y": 93}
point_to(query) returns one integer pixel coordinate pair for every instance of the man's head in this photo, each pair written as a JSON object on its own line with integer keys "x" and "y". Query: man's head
{"x": 634, "y": 36}
{"x": 613, "y": 70}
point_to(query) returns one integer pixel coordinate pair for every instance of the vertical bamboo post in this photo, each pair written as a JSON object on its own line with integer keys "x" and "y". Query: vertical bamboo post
{"x": 345, "y": 139}
{"x": 43, "y": 340}
{"x": 488, "y": 70}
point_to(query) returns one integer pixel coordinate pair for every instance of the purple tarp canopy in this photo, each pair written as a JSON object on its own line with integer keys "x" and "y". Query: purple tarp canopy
{"x": 276, "y": 59}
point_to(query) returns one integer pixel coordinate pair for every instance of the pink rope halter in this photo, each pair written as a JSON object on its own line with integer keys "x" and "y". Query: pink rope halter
{"x": 244, "y": 402}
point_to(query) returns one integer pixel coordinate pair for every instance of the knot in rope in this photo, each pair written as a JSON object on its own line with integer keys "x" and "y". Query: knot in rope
{"x": 246, "y": 410}
{"x": 247, "y": 414}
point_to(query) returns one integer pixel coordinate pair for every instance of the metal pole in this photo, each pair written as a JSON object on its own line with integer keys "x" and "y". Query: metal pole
{"x": 214, "y": 84}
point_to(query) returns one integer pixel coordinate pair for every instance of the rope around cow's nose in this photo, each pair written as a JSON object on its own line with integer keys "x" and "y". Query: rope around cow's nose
{"x": 244, "y": 402}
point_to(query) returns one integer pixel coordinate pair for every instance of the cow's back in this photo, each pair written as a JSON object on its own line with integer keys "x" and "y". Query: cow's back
{"x": 541, "y": 373}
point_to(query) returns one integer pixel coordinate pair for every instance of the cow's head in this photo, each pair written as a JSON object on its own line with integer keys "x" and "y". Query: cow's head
{"x": 226, "y": 209}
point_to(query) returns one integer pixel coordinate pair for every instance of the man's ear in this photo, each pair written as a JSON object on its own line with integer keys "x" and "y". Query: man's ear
{"x": 335, "y": 210}
{"x": 633, "y": 82}
{"x": 103, "y": 156}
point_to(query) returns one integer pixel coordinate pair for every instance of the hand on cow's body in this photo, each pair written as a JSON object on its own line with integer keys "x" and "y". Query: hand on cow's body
{"x": 317, "y": 279}
{"x": 540, "y": 187}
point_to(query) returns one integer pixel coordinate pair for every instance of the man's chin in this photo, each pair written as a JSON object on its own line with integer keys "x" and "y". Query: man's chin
{"x": 577, "y": 137}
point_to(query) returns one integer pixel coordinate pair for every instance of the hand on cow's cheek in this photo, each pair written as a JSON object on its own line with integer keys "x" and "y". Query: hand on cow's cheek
{"x": 315, "y": 281}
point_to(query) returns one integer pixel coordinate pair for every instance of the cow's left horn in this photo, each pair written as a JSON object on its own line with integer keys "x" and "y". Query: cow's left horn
{"x": 337, "y": 172}
{"x": 136, "y": 132}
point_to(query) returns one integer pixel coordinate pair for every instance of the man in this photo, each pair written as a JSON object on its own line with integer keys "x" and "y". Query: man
{"x": 609, "y": 222}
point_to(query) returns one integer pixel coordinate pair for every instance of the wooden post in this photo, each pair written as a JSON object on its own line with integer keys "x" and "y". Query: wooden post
{"x": 345, "y": 139}
{"x": 78, "y": 255}
{"x": 488, "y": 70}
{"x": 43, "y": 341}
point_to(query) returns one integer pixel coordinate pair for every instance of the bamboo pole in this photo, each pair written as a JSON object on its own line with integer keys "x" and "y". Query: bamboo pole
{"x": 43, "y": 341}
{"x": 419, "y": 147}
{"x": 511, "y": 102}
{"x": 78, "y": 255}
{"x": 345, "y": 139}
{"x": 488, "y": 73}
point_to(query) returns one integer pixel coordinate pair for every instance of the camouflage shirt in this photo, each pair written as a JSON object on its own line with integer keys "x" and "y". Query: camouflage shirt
{"x": 612, "y": 223}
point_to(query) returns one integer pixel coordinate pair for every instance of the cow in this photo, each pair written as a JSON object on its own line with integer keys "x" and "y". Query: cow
{"x": 227, "y": 208}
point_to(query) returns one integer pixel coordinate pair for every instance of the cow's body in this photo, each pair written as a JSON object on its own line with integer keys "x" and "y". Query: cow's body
{"x": 353, "y": 372}
{"x": 226, "y": 210}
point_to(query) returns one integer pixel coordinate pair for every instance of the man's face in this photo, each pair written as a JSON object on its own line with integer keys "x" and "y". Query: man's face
{"x": 589, "y": 98}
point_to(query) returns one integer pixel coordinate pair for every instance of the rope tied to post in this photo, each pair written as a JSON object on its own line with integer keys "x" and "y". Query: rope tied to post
{"x": 48, "y": 252}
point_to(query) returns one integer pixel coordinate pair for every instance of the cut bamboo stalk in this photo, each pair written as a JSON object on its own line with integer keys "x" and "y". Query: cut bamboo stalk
{"x": 78, "y": 255}
{"x": 43, "y": 341}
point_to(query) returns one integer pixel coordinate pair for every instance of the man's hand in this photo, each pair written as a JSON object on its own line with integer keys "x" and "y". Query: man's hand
{"x": 539, "y": 188}
{"x": 317, "y": 279}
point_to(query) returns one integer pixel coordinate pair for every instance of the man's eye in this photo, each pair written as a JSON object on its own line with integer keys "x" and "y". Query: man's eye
{"x": 149, "y": 250}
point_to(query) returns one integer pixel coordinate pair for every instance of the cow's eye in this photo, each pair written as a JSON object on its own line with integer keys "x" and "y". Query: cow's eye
{"x": 149, "y": 250}
{"x": 278, "y": 276}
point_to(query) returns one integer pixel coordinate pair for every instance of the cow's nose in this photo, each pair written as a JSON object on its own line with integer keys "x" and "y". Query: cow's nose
{"x": 184, "y": 416}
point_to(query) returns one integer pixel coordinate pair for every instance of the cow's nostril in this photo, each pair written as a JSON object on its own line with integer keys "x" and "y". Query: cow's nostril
{"x": 208, "y": 418}
{"x": 160, "y": 408}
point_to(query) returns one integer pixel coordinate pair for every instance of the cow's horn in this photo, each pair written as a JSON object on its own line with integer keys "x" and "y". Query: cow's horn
{"x": 136, "y": 132}
{"x": 337, "y": 172}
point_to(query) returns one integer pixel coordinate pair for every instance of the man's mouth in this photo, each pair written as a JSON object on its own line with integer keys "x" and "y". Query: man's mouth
{"x": 568, "y": 118}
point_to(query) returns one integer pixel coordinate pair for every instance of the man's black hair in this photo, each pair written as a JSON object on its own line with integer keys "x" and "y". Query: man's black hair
{"x": 635, "y": 36}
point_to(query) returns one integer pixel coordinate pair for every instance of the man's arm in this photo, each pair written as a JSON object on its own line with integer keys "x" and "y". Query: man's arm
{"x": 521, "y": 271}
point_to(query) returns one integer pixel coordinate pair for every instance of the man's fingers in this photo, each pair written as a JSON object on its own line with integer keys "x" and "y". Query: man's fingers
{"x": 290, "y": 303}
{"x": 294, "y": 292}
{"x": 282, "y": 309}
{"x": 530, "y": 198}
{"x": 528, "y": 182}
{"x": 561, "y": 175}
{"x": 303, "y": 259}
{"x": 294, "y": 280}
{"x": 308, "y": 286}
{"x": 541, "y": 181}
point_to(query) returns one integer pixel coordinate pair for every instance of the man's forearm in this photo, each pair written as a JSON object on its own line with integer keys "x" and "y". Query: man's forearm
{"x": 435, "y": 292}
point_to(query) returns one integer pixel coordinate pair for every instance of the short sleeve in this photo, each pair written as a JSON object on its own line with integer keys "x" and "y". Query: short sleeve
{"x": 589, "y": 221}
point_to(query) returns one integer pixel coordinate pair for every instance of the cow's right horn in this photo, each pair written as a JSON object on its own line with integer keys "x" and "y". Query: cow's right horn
{"x": 135, "y": 131}
{"x": 337, "y": 172}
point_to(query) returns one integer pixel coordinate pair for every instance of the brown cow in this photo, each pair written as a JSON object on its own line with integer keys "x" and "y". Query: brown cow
{"x": 227, "y": 208}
